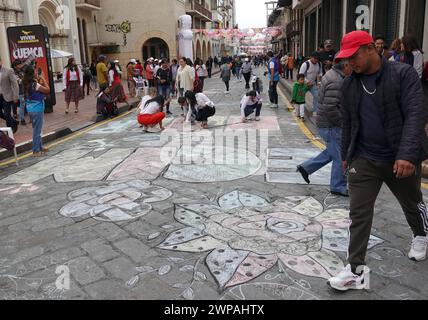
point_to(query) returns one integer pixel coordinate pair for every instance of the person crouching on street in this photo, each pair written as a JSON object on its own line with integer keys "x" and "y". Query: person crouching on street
{"x": 250, "y": 103}
{"x": 152, "y": 114}
{"x": 198, "y": 108}
{"x": 298, "y": 97}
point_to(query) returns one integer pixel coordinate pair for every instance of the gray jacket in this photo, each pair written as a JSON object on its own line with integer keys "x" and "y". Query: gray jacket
{"x": 330, "y": 96}
{"x": 8, "y": 85}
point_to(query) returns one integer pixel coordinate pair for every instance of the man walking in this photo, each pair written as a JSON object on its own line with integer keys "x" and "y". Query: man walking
{"x": 312, "y": 70}
{"x": 247, "y": 71}
{"x": 102, "y": 73}
{"x": 329, "y": 122}
{"x": 383, "y": 141}
{"x": 274, "y": 77}
{"x": 9, "y": 94}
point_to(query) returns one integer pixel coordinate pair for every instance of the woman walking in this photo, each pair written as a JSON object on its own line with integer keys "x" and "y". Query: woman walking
{"x": 115, "y": 83}
{"x": 72, "y": 81}
{"x": 185, "y": 78}
{"x": 201, "y": 69}
{"x": 35, "y": 90}
{"x": 151, "y": 113}
{"x": 226, "y": 73}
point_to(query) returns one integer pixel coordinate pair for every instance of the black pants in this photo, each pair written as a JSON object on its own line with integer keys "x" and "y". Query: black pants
{"x": 6, "y": 112}
{"x": 227, "y": 85}
{"x": 249, "y": 110}
{"x": 366, "y": 178}
{"x": 205, "y": 113}
{"x": 273, "y": 92}
{"x": 289, "y": 74}
{"x": 247, "y": 77}
{"x": 87, "y": 84}
{"x": 210, "y": 72}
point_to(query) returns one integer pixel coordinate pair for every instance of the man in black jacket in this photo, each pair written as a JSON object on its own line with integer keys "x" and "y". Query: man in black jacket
{"x": 383, "y": 141}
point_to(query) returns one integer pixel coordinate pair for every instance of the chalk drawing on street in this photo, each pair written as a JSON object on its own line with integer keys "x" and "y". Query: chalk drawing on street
{"x": 75, "y": 165}
{"x": 115, "y": 127}
{"x": 19, "y": 189}
{"x": 117, "y": 201}
{"x": 244, "y": 235}
{"x": 203, "y": 164}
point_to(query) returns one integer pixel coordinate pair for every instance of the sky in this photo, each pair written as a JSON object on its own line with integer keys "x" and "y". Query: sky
{"x": 251, "y": 13}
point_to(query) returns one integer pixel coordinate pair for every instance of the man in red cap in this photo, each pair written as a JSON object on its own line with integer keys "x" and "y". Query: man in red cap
{"x": 383, "y": 141}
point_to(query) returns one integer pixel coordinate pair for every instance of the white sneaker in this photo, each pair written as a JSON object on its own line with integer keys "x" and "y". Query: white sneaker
{"x": 347, "y": 280}
{"x": 257, "y": 118}
{"x": 419, "y": 249}
{"x": 274, "y": 106}
{"x": 226, "y": 92}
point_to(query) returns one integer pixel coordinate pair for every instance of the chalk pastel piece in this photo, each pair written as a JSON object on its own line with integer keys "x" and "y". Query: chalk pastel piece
{"x": 252, "y": 267}
{"x": 188, "y": 217}
{"x": 304, "y": 265}
{"x": 310, "y": 208}
{"x": 75, "y": 210}
{"x": 333, "y": 214}
{"x": 182, "y": 236}
{"x": 329, "y": 260}
{"x": 223, "y": 263}
{"x": 336, "y": 223}
{"x": 203, "y": 244}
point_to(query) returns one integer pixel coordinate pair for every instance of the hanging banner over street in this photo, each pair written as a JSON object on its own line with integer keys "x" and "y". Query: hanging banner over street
{"x": 33, "y": 42}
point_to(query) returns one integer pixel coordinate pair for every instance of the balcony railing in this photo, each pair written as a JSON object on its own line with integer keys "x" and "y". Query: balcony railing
{"x": 194, "y": 8}
{"x": 89, "y": 4}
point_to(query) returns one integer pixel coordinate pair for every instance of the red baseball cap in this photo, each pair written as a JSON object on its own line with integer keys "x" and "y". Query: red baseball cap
{"x": 353, "y": 41}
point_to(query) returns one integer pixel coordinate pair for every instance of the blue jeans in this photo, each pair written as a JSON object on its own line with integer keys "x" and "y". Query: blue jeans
{"x": 37, "y": 121}
{"x": 165, "y": 90}
{"x": 314, "y": 91}
{"x": 21, "y": 108}
{"x": 238, "y": 73}
{"x": 333, "y": 137}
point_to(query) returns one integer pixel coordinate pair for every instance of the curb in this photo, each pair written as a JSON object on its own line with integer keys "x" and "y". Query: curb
{"x": 61, "y": 133}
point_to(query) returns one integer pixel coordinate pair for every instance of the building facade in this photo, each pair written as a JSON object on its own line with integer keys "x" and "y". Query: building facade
{"x": 308, "y": 23}
{"x": 121, "y": 30}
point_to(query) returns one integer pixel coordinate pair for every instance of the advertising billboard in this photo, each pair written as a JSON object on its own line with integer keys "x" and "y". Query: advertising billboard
{"x": 32, "y": 42}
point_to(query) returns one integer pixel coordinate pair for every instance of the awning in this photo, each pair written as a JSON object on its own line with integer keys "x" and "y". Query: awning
{"x": 56, "y": 54}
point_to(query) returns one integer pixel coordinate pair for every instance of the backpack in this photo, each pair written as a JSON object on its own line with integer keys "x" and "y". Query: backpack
{"x": 308, "y": 65}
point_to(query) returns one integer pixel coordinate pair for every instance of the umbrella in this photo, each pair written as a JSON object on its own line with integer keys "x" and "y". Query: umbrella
{"x": 60, "y": 54}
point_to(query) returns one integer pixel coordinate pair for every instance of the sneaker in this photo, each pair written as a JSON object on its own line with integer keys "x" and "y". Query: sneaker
{"x": 419, "y": 249}
{"x": 347, "y": 280}
{"x": 169, "y": 113}
{"x": 257, "y": 118}
{"x": 226, "y": 92}
{"x": 23, "y": 123}
{"x": 341, "y": 194}
{"x": 304, "y": 174}
{"x": 303, "y": 119}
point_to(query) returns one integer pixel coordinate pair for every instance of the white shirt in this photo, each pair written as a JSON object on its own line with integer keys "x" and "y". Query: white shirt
{"x": 246, "y": 101}
{"x": 201, "y": 102}
{"x": 73, "y": 77}
{"x": 313, "y": 73}
{"x": 111, "y": 77}
{"x": 201, "y": 70}
{"x": 143, "y": 102}
{"x": 151, "y": 108}
{"x": 155, "y": 71}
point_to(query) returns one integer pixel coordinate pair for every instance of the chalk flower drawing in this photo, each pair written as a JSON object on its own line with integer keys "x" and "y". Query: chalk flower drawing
{"x": 246, "y": 236}
{"x": 117, "y": 201}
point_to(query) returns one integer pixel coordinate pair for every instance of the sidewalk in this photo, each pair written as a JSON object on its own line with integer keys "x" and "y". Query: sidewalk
{"x": 58, "y": 124}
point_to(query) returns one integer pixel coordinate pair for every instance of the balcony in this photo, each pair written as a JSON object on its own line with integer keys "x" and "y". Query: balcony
{"x": 90, "y": 5}
{"x": 292, "y": 28}
{"x": 301, "y": 4}
{"x": 195, "y": 9}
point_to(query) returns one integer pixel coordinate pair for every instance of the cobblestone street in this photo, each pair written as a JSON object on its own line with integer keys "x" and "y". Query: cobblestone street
{"x": 136, "y": 215}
